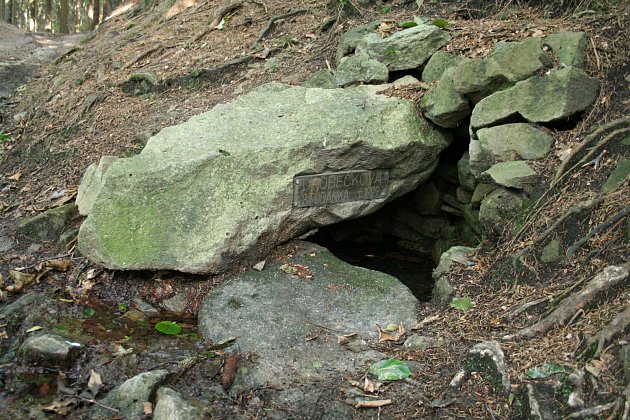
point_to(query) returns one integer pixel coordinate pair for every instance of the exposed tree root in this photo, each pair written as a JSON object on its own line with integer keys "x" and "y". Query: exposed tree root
{"x": 273, "y": 20}
{"x": 587, "y": 140}
{"x": 605, "y": 224}
{"x": 593, "y": 346}
{"x": 607, "y": 278}
{"x": 217, "y": 17}
{"x": 578, "y": 208}
{"x": 592, "y": 411}
{"x": 142, "y": 55}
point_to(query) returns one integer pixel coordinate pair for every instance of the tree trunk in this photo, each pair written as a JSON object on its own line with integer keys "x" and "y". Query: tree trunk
{"x": 48, "y": 15}
{"x": 63, "y": 16}
{"x": 97, "y": 13}
{"x": 8, "y": 13}
{"x": 32, "y": 24}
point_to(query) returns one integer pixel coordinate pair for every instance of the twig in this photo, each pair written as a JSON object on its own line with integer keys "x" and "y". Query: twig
{"x": 607, "y": 278}
{"x": 217, "y": 17}
{"x": 93, "y": 401}
{"x": 141, "y": 56}
{"x": 599, "y": 64}
{"x": 587, "y": 140}
{"x": 611, "y": 220}
{"x": 526, "y": 306}
{"x": 617, "y": 325}
{"x": 274, "y": 19}
{"x": 372, "y": 404}
{"x": 595, "y": 162}
{"x": 589, "y": 412}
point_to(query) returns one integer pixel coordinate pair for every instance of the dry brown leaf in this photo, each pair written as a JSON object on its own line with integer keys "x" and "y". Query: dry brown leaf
{"x": 344, "y": 339}
{"x": 371, "y": 386}
{"x": 95, "y": 383}
{"x": 61, "y": 407}
{"x": 59, "y": 265}
{"x": 16, "y": 176}
{"x": 427, "y": 320}
{"x": 3, "y": 335}
{"x": 1, "y": 280}
{"x": 384, "y": 336}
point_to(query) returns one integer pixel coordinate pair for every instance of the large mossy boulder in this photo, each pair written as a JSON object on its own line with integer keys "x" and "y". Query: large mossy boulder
{"x": 219, "y": 188}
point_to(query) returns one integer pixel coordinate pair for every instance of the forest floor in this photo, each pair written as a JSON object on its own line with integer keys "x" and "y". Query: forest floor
{"x": 79, "y": 108}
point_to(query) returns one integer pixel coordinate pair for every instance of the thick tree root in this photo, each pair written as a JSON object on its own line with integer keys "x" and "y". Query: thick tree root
{"x": 607, "y": 278}
{"x": 593, "y": 346}
{"x": 217, "y": 17}
{"x": 605, "y": 224}
{"x": 273, "y": 20}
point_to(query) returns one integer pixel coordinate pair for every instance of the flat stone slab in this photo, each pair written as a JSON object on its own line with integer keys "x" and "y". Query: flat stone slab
{"x": 292, "y": 321}
{"x": 219, "y": 188}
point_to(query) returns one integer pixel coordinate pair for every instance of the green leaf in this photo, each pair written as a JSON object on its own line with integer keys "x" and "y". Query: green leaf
{"x": 122, "y": 307}
{"x": 547, "y": 369}
{"x": 390, "y": 370}
{"x": 440, "y": 23}
{"x": 463, "y": 304}
{"x": 391, "y": 328}
{"x": 168, "y": 327}
{"x": 35, "y": 328}
{"x": 289, "y": 269}
{"x": 89, "y": 312}
{"x": 407, "y": 24}
{"x": 317, "y": 365}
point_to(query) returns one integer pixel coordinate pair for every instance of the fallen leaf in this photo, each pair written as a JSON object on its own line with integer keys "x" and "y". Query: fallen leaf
{"x": 62, "y": 408}
{"x": 16, "y": 176}
{"x": 371, "y": 386}
{"x": 94, "y": 383}
{"x": 345, "y": 339}
{"x": 59, "y": 265}
{"x": 427, "y": 320}
{"x": 35, "y": 328}
{"x": 390, "y": 370}
{"x": 384, "y": 335}
{"x": 262, "y": 54}
{"x": 289, "y": 269}
{"x": 121, "y": 351}
{"x": 24, "y": 278}
{"x": 3, "y": 334}
{"x": 1, "y": 280}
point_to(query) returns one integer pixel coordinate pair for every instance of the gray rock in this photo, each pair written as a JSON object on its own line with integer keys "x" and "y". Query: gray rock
{"x": 170, "y": 405}
{"x": 438, "y": 63}
{"x": 427, "y": 199}
{"x": 419, "y": 342}
{"x": 463, "y": 196}
{"x": 6, "y": 243}
{"x": 569, "y": 47}
{"x": 551, "y": 252}
{"x": 67, "y": 237}
{"x": 49, "y": 350}
{"x": 177, "y": 304}
{"x": 359, "y": 68}
{"x": 349, "y": 40}
{"x": 91, "y": 184}
{"x": 219, "y": 188}
{"x": 443, "y": 105}
{"x": 566, "y": 92}
{"x": 324, "y": 79}
{"x": 46, "y": 226}
{"x": 481, "y": 191}
{"x": 488, "y": 359}
{"x": 144, "y": 307}
{"x": 510, "y": 62}
{"x": 272, "y": 313}
{"x": 443, "y": 292}
{"x": 496, "y": 209}
{"x": 130, "y": 396}
{"x": 466, "y": 178}
{"x": 617, "y": 177}
{"x": 456, "y": 254}
{"x": 406, "y": 49}
{"x": 515, "y": 174}
{"x": 507, "y": 142}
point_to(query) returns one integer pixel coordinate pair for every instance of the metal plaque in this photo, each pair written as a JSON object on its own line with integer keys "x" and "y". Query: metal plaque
{"x": 339, "y": 187}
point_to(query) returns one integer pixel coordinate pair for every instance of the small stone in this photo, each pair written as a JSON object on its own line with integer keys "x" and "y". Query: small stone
{"x": 515, "y": 174}
{"x": 171, "y": 405}
{"x": 130, "y": 396}
{"x": 49, "y": 350}
{"x": 260, "y": 266}
{"x": 438, "y": 64}
{"x": 575, "y": 400}
{"x": 46, "y": 226}
{"x": 488, "y": 358}
{"x": 141, "y": 138}
{"x": 481, "y": 191}
{"x": 552, "y": 251}
{"x": 617, "y": 177}
{"x": 466, "y": 178}
{"x": 463, "y": 196}
{"x": 569, "y": 47}
{"x": 177, "y": 304}
{"x": 135, "y": 315}
{"x": 419, "y": 342}
{"x": 496, "y": 209}
{"x": 145, "y": 307}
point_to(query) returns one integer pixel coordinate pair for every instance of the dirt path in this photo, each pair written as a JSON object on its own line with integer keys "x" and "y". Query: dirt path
{"x": 21, "y": 53}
